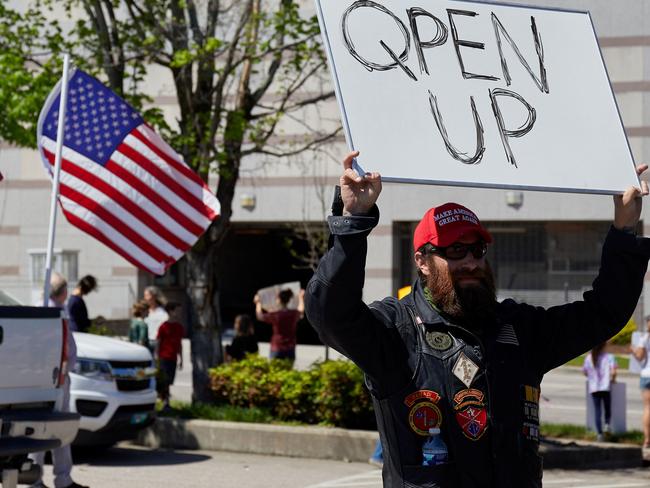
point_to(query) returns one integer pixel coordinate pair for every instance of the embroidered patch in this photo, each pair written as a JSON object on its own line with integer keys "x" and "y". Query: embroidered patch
{"x": 471, "y": 413}
{"x": 439, "y": 340}
{"x": 471, "y": 394}
{"x": 473, "y": 422}
{"x": 465, "y": 369}
{"x": 530, "y": 404}
{"x": 424, "y": 413}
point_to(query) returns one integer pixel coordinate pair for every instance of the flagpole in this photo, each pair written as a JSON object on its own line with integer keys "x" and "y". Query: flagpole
{"x": 55, "y": 179}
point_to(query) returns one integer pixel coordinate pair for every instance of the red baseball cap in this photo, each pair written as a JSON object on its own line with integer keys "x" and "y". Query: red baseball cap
{"x": 446, "y": 224}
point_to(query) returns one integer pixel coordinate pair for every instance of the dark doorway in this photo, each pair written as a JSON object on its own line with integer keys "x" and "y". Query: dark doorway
{"x": 255, "y": 256}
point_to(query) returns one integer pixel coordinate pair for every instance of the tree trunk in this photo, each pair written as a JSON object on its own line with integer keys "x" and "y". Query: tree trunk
{"x": 206, "y": 324}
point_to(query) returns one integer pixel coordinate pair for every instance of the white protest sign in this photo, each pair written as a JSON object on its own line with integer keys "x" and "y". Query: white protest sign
{"x": 638, "y": 339}
{"x": 476, "y": 94}
{"x": 268, "y": 296}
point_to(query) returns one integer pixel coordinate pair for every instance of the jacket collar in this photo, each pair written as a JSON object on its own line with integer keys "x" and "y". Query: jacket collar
{"x": 423, "y": 309}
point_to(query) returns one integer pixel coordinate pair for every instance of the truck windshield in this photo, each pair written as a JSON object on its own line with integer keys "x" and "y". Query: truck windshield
{"x": 8, "y": 300}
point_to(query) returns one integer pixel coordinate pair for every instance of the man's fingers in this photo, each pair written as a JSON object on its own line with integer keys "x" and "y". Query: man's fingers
{"x": 350, "y": 176}
{"x": 641, "y": 168}
{"x": 347, "y": 162}
{"x": 630, "y": 194}
{"x": 644, "y": 187}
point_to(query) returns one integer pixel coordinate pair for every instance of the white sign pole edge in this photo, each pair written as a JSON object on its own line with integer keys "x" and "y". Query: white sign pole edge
{"x": 498, "y": 186}
{"x": 337, "y": 86}
{"x": 618, "y": 110}
{"x": 519, "y": 5}
{"x": 63, "y": 100}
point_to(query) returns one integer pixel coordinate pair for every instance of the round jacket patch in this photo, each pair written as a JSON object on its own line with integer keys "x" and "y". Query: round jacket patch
{"x": 423, "y": 416}
{"x": 424, "y": 413}
{"x": 438, "y": 340}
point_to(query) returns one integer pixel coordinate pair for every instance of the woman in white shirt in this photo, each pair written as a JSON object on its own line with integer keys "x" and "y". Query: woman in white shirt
{"x": 156, "y": 314}
{"x": 640, "y": 352}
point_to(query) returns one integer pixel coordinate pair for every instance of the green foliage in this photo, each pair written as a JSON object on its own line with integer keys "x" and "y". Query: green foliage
{"x": 624, "y": 337}
{"x": 213, "y": 412}
{"x": 570, "y": 431}
{"x": 329, "y": 393}
{"x": 98, "y": 327}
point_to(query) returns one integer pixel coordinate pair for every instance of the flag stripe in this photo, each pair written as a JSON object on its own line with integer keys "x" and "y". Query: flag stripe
{"x": 91, "y": 225}
{"x": 125, "y": 194}
{"x": 156, "y": 143}
{"x": 142, "y": 180}
{"x": 97, "y": 201}
{"x": 150, "y": 167}
{"x": 147, "y": 144}
{"x": 151, "y": 194}
{"x": 119, "y": 225}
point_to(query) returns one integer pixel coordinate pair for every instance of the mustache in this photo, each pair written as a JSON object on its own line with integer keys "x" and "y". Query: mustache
{"x": 470, "y": 273}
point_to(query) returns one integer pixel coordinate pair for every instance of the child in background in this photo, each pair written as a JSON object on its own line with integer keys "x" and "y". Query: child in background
{"x": 600, "y": 369}
{"x": 168, "y": 349}
{"x": 138, "y": 331}
{"x": 244, "y": 341}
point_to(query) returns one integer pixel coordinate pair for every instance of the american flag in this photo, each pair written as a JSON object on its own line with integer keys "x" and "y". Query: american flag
{"x": 121, "y": 182}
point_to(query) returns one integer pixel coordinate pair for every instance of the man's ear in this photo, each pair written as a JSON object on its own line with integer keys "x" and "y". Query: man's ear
{"x": 422, "y": 263}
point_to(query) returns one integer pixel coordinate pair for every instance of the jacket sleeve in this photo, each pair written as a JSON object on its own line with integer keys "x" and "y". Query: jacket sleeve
{"x": 558, "y": 334}
{"x": 334, "y": 307}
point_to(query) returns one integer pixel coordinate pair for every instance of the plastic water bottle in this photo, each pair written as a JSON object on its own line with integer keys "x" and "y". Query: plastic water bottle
{"x": 434, "y": 450}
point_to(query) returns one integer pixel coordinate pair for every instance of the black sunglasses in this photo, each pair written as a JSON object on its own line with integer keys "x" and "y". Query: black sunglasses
{"x": 458, "y": 251}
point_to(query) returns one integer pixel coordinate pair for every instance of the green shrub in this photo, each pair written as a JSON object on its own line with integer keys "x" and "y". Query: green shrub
{"x": 624, "y": 337}
{"x": 329, "y": 393}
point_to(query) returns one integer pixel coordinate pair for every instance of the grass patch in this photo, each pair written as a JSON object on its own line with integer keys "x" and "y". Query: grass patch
{"x": 214, "y": 412}
{"x": 623, "y": 361}
{"x": 569, "y": 431}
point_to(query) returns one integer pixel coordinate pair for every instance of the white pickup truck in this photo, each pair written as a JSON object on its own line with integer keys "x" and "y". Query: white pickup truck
{"x": 31, "y": 355}
{"x": 112, "y": 386}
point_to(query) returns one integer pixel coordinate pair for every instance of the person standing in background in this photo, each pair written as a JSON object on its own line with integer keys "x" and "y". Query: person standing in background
{"x": 156, "y": 314}
{"x": 169, "y": 350}
{"x": 244, "y": 341}
{"x": 77, "y": 312}
{"x": 284, "y": 322}
{"x": 600, "y": 369}
{"x": 640, "y": 352}
{"x": 61, "y": 456}
{"x": 138, "y": 331}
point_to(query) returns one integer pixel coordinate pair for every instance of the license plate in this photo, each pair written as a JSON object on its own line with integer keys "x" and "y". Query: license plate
{"x": 139, "y": 418}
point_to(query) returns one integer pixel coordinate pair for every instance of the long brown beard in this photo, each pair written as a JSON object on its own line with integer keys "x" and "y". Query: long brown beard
{"x": 473, "y": 306}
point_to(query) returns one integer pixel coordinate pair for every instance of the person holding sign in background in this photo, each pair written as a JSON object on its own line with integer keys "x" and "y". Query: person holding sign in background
{"x": 284, "y": 322}
{"x": 455, "y": 375}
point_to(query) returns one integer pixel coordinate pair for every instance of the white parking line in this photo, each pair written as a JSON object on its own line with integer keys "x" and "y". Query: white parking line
{"x": 373, "y": 479}
{"x": 564, "y": 480}
{"x": 619, "y": 485}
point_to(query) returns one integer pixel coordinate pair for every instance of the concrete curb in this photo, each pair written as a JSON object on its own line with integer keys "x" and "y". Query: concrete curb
{"x": 310, "y": 441}
{"x": 348, "y": 445}
{"x": 573, "y": 454}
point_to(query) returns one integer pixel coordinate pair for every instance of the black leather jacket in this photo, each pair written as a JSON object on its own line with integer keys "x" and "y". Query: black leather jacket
{"x": 483, "y": 392}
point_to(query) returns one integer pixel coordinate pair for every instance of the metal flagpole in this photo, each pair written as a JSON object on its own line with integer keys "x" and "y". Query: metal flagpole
{"x": 55, "y": 179}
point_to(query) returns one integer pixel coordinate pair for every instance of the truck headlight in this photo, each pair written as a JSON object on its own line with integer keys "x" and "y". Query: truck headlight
{"x": 94, "y": 369}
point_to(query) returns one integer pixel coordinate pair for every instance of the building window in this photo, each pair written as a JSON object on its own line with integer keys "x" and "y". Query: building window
{"x": 63, "y": 262}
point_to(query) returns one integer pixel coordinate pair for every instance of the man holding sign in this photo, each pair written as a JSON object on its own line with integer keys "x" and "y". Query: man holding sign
{"x": 450, "y": 368}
